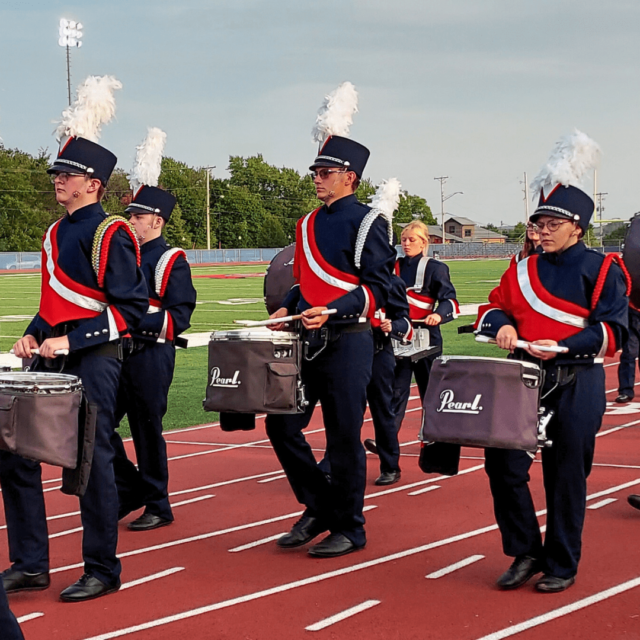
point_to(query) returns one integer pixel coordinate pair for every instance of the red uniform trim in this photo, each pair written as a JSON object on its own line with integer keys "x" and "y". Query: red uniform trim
{"x": 106, "y": 243}
{"x": 612, "y": 347}
{"x": 120, "y": 321}
{"x": 416, "y": 312}
{"x": 167, "y": 271}
{"x": 170, "y": 335}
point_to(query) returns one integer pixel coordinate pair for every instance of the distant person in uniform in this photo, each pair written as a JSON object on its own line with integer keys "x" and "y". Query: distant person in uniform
{"x": 532, "y": 242}
{"x": 343, "y": 261}
{"x": 568, "y": 296}
{"x": 432, "y": 302}
{"x": 147, "y": 370}
{"x": 628, "y": 357}
{"x": 92, "y": 293}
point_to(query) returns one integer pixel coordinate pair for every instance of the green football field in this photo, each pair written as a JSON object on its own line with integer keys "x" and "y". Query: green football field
{"x": 220, "y": 301}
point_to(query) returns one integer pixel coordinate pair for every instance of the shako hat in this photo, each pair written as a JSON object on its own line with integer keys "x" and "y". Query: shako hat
{"x": 342, "y": 153}
{"x": 148, "y": 197}
{"x": 331, "y": 129}
{"x": 558, "y": 185}
{"x": 79, "y": 130}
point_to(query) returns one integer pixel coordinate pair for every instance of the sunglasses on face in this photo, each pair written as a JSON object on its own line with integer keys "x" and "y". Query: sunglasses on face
{"x": 63, "y": 176}
{"x": 323, "y": 174}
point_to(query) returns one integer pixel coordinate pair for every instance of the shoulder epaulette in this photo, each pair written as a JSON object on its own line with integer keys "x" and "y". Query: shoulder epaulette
{"x": 102, "y": 240}
{"x": 363, "y": 231}
{"x": 163, "y": 269}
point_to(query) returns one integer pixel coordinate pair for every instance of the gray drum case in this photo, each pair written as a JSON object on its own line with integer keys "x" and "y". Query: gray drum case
{"x": 254, "y": 373}
{"x": 483, "y": 402}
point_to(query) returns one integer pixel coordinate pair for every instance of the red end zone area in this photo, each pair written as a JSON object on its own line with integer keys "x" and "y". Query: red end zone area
{"x": 428, "y": 570}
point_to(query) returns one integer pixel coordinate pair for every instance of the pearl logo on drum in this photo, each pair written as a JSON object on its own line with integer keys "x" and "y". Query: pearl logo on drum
{"x": 227, "y": 383}
{"x": 449, "y": 405}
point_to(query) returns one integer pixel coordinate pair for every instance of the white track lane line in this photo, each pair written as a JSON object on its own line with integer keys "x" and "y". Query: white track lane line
{"x": 602, "y": 503}
{"x": 58, "y": 517}
{"x": 30, "y": 616}
{"x": 192, "y": 500}
{"x": 225, "y": 482}
{"x": 343, "y": 615}
{"x": 433, "y": 487}
{"x": 251, "y": 525}
{"x": 265, "y": 480}
{"x": 155, "y": 576}
{"x": 256, "y": 543}
{"x": 563, "y": 611}
{"x": 453, "y": 567}
{"x": 68, "y": 532}
{"x": 619, "y": 428}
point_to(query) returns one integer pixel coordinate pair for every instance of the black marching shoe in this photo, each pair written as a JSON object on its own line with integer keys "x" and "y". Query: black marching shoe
{"x": 522, "y": 569}
{"x": 370, "y": 445}
{"x": 87, "y": 588}
{"x": 553, "y": 584}
{"x": 334, "y": 545}
{"x": 303, "y": 531}
{"x": 623, "y": 398}
{"x": 634, "y": 500}
{"x": 148, "y": 521}
{"x": 14, "y": 581}
{"x": 387, "y": 477}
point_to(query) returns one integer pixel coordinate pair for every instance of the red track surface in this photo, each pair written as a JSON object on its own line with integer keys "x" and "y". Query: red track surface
{"x": 263, "y": 592}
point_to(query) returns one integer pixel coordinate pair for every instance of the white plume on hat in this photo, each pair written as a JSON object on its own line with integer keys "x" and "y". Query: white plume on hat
{"x": 386, "y": 200}
{"x": 572, "y": 157}
{"x": 335, "y": 116}
{"x": 148, "y": 163}
{"x": 94, "y": 106}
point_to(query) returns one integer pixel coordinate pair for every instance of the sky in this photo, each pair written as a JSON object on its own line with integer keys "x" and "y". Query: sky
{"x": 476, "y": 90}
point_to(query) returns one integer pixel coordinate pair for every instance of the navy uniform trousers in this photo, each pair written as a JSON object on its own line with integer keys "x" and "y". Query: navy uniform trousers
{"x": 579, "y": 406}
{"x": 630, "y": 349}
{"x": 144, "y": 386}
{"x": 404, "y": 371}
{"x": 22, "y": 487}
{"x": 9, "y": 627}
{"x": 380, "y": 395}
{"x": 338, "y": 378}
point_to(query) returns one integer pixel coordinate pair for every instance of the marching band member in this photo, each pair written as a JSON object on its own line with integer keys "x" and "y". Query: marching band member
{"x": 147, "y": 370}
{"x": 390, "y": 322}
{"x": 572, "y": 297}
{"x": 343, "y": 261}
{"x": 92, "y": 291}
{"x": 532, "y": 242}
{"x": 432, "y": 298}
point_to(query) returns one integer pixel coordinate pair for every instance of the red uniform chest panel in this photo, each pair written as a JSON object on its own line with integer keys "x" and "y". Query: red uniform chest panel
{"x": 62, "y": 298}
{"x": 320, "y": 282}
{"x": 538, "y": 314}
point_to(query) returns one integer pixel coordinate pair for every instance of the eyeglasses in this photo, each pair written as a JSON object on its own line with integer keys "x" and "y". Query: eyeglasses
{"x": 62, "y": 175}
{"x": 323, "y": 174}
{"x": 552, "y": 225}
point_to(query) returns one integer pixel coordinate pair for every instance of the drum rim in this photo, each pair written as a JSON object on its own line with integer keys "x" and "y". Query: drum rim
{"x": 254, "y": 334}
{"x": 525, "y": 363}
{"x": 20, "y": 381}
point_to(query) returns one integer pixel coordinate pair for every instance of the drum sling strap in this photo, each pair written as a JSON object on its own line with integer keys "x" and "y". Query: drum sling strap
{"x": 422, "y": 268}
{"x": 74, "y": 481}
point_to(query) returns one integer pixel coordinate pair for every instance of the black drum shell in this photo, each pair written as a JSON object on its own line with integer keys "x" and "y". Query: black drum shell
{"x": 279, "y": 279}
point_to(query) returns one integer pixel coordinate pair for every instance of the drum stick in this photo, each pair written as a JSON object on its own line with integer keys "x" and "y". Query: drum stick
{"x": 57, "y": 352}
{"x": 266, "y": 323}
{"x": 522, "y": 344}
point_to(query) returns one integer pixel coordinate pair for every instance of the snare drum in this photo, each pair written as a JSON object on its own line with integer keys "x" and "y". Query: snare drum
{"x": 254, "y": 371}
{"x": 418, "y": 348}
{"x": 483, "y": 402}
{"x": 39, "y": 416}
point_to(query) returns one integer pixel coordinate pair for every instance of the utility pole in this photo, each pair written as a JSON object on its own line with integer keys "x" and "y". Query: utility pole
{"x": 600, "y": 210}
{"x": 442, "y": 180}
{"x": 208, "y": 170}
{"x": 526, "y": 199}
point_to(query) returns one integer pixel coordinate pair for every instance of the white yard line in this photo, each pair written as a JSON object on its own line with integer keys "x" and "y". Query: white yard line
{"x": 343, "y": 615}
{"x": 256, "y": 543}
{"x": 453, "y": 567}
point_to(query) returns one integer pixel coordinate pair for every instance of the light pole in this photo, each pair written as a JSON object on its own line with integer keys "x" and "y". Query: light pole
{"x": 70, "y": 35}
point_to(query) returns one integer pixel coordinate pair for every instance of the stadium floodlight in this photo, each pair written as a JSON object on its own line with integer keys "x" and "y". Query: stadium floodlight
{"x": 69, "y": 35}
